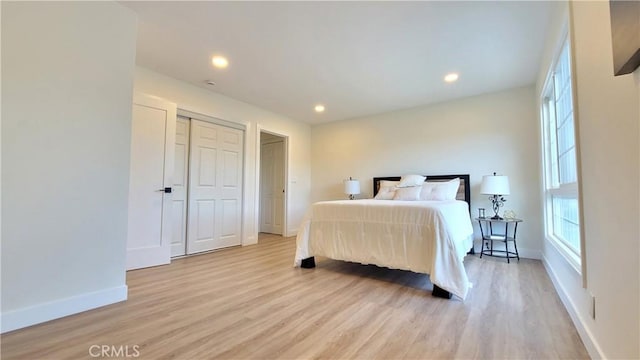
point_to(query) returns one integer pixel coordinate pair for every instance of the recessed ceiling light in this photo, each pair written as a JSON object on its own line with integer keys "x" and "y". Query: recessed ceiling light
{"x": 210, "y": 82}
{"x": 319, "y": 108}
{"x": 220, "y": 62}
{"x": 451, "y": 77}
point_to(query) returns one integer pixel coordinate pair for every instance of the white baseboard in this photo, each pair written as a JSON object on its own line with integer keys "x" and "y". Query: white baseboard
{"x": 595, "y": 352}
{"x": 36, "y": 314}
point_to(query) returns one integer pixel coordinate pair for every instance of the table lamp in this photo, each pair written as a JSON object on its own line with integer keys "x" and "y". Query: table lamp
{"x": 495, "y": 186}
{"x": 352, "y": 188}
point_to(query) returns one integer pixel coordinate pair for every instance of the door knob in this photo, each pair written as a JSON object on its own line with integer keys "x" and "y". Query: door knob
{"x": 166, "y": 190}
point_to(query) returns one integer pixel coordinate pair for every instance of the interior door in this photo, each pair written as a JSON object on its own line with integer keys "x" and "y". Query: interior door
{"x": 278, "y": 188}
{"x": 151, "y": 170}
{"x": 266, "y": 188}
{"x": 215, "y": 187}
{"x": 180, "y": 188}
{"x": 272, "y": 187}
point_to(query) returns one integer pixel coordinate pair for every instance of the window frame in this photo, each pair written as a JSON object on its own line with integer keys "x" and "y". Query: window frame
{"x": 551, "y": 185}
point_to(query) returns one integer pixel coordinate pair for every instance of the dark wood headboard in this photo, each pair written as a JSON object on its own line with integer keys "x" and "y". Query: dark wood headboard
{"x": 464, "y": 191}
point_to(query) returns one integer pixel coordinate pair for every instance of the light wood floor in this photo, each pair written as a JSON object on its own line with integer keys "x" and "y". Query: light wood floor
{"x": 250, "y": 303}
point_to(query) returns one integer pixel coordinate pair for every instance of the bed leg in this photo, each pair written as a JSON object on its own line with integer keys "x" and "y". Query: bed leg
{"x": 308, "y": 263}
{"x": 440, "y": 292}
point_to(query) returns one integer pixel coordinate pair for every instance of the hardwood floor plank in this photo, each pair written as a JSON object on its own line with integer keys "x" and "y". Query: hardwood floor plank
{"x": 251, "y": 303}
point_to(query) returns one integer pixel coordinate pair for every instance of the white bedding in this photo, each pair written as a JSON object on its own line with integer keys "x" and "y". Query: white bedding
{"x": 430, "y": 237}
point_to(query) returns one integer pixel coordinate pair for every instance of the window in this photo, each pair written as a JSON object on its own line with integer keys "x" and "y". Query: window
{"x": 562, "y": 220}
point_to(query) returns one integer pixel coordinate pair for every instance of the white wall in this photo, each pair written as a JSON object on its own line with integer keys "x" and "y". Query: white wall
{"x": 476, "y": 136}
{"x": 607, "y": 114}
{"x": 66, "y": 109}
{"x": 195, "y": 99}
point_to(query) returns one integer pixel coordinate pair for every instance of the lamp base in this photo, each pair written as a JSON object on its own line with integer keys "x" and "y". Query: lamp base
{"x": 496, "y": 201}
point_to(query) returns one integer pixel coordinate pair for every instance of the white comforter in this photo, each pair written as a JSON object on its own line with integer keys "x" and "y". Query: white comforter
{"x": 430, "y": 237}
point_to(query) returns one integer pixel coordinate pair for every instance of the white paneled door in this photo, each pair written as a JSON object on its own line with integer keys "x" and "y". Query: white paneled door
{"x": 180, "y": 180}
{"x": 151, "y": 170}
{"x": 215, "y": 187}
{"x": 272, "y": 187}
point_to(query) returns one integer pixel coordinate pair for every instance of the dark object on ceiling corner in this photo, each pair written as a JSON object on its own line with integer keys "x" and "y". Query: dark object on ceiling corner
{"x": 625, "y": 35}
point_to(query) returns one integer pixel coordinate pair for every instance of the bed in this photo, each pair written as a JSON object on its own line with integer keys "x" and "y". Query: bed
{"x": 423, "y": 236}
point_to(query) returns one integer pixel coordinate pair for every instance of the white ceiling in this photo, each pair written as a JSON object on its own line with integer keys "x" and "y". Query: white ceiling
{"x": 356, "y": 58}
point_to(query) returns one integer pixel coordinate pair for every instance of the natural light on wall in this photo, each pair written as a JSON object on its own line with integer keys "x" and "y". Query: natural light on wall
{"x": 562, "y": 220}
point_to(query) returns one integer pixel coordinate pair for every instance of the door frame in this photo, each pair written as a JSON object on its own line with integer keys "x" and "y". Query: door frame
{"x": 185, "y": 214}
{"x": 285, "y": 216}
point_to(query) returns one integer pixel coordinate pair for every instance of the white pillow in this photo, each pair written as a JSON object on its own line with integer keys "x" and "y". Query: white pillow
{"x": 411, "y": 180}
{"x": 440, "y": 190}
{"x": 408, "y": 193}
{"x": 386, "y": 193}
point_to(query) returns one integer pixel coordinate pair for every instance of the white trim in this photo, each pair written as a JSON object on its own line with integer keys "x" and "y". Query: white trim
{"x": 567, "y": 253}
{"x": 570, "y": 190}
{"x": 214, "y": 120}
{"x": 564, "y": 35}
{"x": 36, "y": 314}
{"x": 590, "y": 343}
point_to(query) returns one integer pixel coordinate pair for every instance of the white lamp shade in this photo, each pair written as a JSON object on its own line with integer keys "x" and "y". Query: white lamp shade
{"x": 352, "y": 187}
{"x": 495, "y": 185}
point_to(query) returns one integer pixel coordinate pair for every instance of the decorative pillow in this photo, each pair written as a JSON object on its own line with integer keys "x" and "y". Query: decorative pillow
{"x": 386, "y": 193}
{"x": 411, "y": 180}
{"x": 440, "y": 190}
{"x": 408, "y": 193}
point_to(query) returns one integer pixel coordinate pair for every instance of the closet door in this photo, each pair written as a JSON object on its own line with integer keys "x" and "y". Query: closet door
{"x": 215, "y": 187}
{"x": 180, "y": 181}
